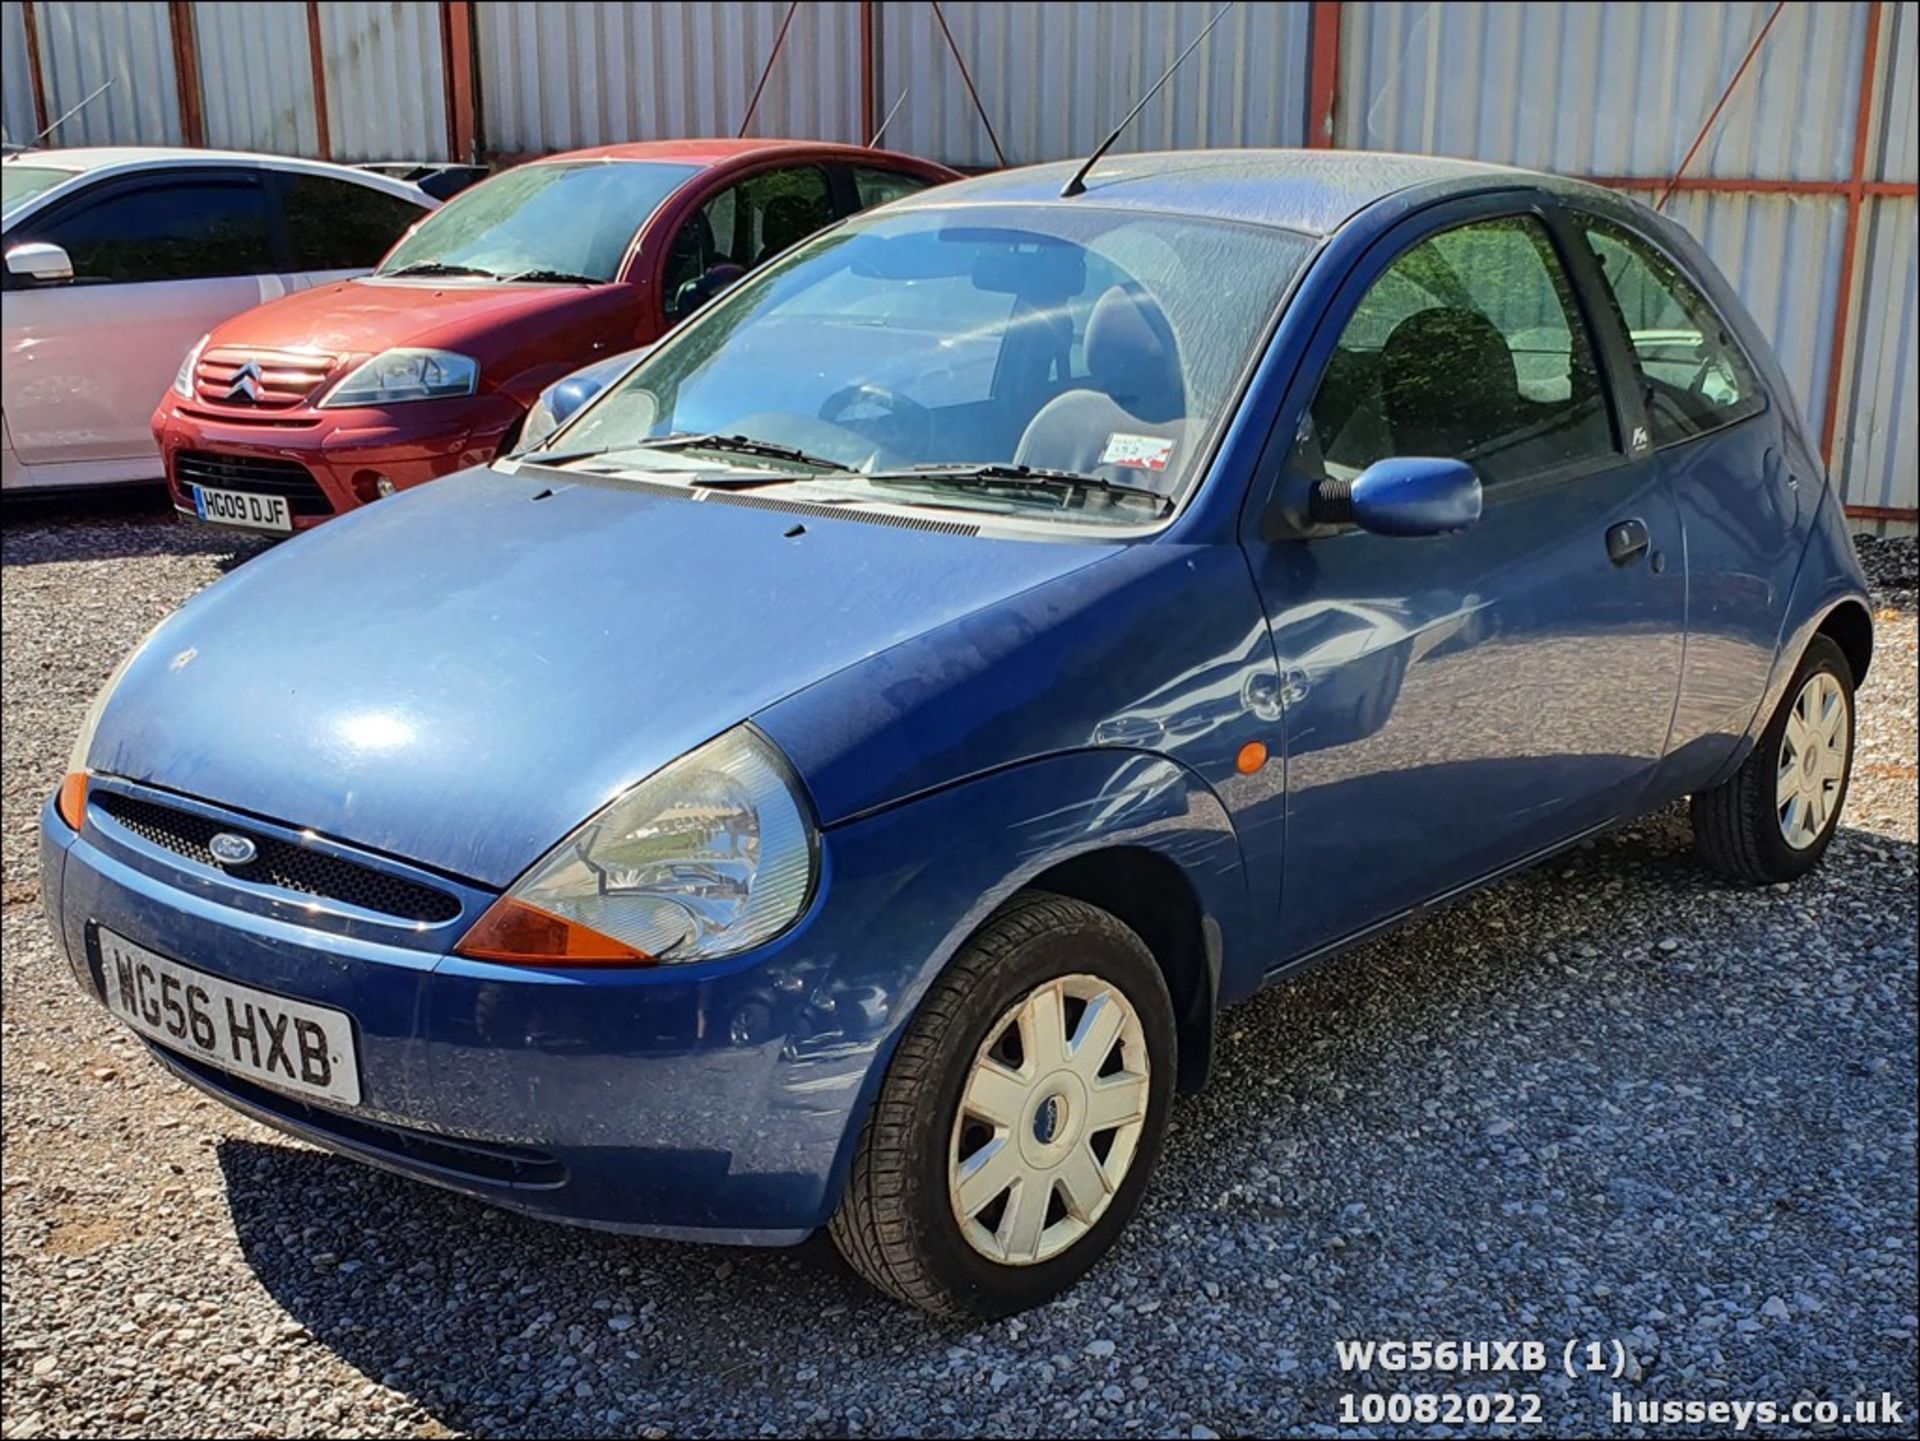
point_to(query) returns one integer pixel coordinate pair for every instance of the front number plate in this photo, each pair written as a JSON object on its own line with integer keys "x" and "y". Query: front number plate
{"x": 289, "y": 1045}
{"x": 242, "y": 507}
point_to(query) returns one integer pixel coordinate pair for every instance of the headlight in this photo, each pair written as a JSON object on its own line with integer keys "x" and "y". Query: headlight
{"x": 183, "y": 378}
{"x": 72, "y": 803}
{"x": 711, "y": 856}
{"x": 401, "y": 375}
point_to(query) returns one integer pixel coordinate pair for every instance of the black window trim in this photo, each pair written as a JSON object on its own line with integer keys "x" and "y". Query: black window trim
{"x": 32, "y": 228}
{"x": 1578, "y": 217}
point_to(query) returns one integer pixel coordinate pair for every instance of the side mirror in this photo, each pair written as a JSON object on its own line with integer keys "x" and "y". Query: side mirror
{"x": 37, "y": 260}
{"x": 1402, "y": 495}
{"x": 563, "y": 400}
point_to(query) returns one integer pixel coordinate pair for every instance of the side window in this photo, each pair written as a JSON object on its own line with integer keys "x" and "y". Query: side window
{"x": 740, "y": 227}
{"x": 337, "y": 225}
{"x": 877, "y": 187}
{"x": 1470, "y": 346}
{"x": 188, "y": 230}
{"x": 1692, "y": 371}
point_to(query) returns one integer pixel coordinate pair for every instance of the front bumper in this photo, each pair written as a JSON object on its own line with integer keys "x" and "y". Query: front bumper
{"x": 708, "y": 1104}
{"x": 326, "y": 462}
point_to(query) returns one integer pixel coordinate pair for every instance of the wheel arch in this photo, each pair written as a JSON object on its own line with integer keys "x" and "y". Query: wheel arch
{"x": 1851, "y": 627}
{"x": 1086, "y": 824}
{"x": 1153, "y": 897}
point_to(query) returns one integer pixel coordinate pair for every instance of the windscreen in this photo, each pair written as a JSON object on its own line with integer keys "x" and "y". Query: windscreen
{"x": 568, "y": 219}
{"x": 1102, "y": 343}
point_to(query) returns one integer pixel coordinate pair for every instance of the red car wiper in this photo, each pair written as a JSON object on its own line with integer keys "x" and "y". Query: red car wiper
{"x": 434, "y": 267}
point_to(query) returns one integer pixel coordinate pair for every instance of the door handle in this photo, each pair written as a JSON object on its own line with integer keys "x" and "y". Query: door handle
{"x": 1627, "y": 541}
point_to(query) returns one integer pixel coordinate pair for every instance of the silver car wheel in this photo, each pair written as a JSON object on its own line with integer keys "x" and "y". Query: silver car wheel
{"x": 1813, "y": 760}
{"x": 1049, "y": 1120}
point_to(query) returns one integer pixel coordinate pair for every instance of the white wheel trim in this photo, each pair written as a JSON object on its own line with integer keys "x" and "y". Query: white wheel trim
{"x": 1044, "y": 1118}
{"x": 1813, "y": 761}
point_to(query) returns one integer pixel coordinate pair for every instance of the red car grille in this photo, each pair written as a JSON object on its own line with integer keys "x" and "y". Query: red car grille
{"x": 257, "y": 380}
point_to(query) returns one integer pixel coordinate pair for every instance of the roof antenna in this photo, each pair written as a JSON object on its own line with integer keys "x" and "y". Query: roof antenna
{"x": 75, "y": 110}
{"x": 1078, "y": 185}
{"x": 889, "y": 120}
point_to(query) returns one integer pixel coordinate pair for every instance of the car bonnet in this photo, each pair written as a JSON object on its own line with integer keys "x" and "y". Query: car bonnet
{"x": 461, "y": 674}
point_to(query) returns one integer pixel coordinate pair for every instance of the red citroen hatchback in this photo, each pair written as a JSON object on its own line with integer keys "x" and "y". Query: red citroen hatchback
{"x": 320, "y": 401}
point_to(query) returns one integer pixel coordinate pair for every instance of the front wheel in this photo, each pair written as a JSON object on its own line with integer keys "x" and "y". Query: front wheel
{"x": 1020, "y": 1118}
{"x": 1775, "y": 817}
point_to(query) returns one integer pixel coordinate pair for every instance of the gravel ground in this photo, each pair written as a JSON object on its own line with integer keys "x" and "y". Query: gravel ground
{"x": 1608, "y": 1100}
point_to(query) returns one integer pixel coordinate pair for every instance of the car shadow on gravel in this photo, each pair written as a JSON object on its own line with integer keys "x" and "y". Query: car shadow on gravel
{"x": 129, "y": 526}
{"x": 493, "y": 1322}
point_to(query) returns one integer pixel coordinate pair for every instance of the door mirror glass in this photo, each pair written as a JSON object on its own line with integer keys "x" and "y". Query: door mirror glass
{"x": 38, "y": 261}
{"x": 1403, "y": 496}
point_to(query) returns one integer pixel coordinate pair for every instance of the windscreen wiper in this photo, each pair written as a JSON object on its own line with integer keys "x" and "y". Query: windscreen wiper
{"x": 436, "y": 267}
{"x": 733, "y": 444}
{"x": 543, "y": 276}
{"x": 741, "y": 445}
{"x": 1032, "y": 477}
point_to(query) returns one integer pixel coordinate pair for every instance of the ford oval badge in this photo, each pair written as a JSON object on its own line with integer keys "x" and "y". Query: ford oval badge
{"x": 232, "y": 850}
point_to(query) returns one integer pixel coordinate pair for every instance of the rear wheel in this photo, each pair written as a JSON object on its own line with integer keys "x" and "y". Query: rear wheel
{"x": 1775, "y": 817}
{"x": 1020, "y": 1118}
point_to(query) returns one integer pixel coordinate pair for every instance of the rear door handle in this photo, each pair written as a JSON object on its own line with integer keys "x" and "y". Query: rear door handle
{"x": 1627, "y": 541}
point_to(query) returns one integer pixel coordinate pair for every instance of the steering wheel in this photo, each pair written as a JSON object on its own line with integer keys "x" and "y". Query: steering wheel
{"x": 904, "y": 427}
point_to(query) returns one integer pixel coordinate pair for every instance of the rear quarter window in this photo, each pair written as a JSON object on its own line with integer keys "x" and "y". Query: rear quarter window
{"x": 1693, "y": 375}
{"x": 338, "y": 225}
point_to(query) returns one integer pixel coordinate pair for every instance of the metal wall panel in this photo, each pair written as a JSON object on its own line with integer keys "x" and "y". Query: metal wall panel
{"x": 1605, "y": 89}
{"x": 1878, "y": 445}
{"x": 561, "y": 76}
{"x": 1056, "y": 78}
{"x": 18, "y": 122}
{"x": 1899, "y": 118}
{"x": 256, "y": 75}
{"x": 386, "y": 79}
{"x": 129, "y": 42}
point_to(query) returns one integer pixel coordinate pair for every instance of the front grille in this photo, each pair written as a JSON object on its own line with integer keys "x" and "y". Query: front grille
{"x": 280, "y": 863}
{"x": 257, "y": 474}
{"x": 255, "y": 380}
{"x": 490, "y": 1161}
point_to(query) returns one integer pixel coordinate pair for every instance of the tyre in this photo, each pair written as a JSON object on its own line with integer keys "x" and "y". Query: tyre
{"x": 1020, "y": 1118}
{"x": 1774, "y": 818}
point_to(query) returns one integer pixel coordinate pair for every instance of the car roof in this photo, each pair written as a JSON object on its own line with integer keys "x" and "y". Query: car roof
{"x": 98, "y": 159}
{"x": 715, "y": 151}
{"x": 1316, "y": 191}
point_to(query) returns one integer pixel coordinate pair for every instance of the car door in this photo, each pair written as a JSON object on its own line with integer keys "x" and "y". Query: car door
{"x": 157, "y": 261}
{"x": 738, "y": 227}
{"x": 1744, "y": 500}
{"x": 1454, "y": 704}
{"x": 337, "y": 229}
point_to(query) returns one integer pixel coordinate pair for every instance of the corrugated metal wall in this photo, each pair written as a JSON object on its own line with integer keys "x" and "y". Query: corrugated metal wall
{"x": 17, "y": 122}
{"x": 386, "y": 79}
{"x": 1614, "y": 91}
{"x": 256, "y": 76}
{"x": 1054, "y": 79}
{"x": 1881, "y": 457}
{"x": 1876, "y": 447}
{"x": 129, "y": 42}
{"x": 1604, "y": 89}
{"x": 557, "y": 77}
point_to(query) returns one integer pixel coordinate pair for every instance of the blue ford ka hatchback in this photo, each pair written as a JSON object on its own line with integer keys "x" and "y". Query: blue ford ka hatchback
{"x": 840, "y": 778}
